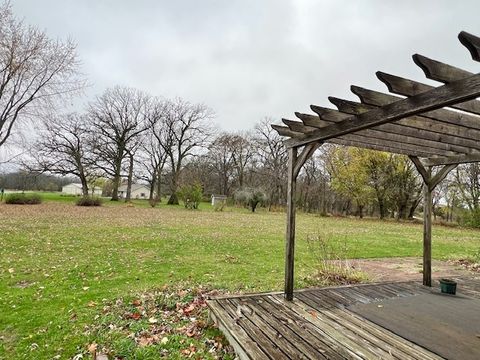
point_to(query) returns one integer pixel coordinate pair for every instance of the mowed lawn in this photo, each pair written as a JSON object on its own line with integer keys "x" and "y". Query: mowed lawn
{"x": 57, "y": 258}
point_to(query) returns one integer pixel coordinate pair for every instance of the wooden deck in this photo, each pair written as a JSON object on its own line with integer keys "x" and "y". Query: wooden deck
{"x": 318, "y": 324}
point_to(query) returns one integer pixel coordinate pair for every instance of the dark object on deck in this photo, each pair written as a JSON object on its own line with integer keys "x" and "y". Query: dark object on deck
{"x": 448, "y": 286}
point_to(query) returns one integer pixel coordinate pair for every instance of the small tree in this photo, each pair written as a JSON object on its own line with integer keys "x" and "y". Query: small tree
{"x": 191, "y": 195}
{"x": 251, "y": 197}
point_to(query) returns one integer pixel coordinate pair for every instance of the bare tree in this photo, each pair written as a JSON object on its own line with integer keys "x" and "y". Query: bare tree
{"x": 35, "y": 71}
{"x": 62, "y": 148}
{"x": 118, "y": 117}
{"x": 220, "y": 156}
{"x": 467, "y": 180}
{"x": 187, "y": 129}
{"x": 243, "y": 151}
{"x": 273, "y": 159}
{"x": 151, "y": 161}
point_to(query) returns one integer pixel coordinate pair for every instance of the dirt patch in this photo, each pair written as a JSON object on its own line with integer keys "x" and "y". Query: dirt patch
{"x": 404, "y": 269}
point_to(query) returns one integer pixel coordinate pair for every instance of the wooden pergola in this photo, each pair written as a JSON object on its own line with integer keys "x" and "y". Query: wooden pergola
{"x": 437, "y": 127}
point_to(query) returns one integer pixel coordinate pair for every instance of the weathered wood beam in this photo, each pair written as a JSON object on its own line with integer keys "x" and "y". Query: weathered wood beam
{"x": 436, "y": 70}
{"x": 379, "y": 138}
{"x": 406, "y": 87}
{"x": 298, "y": 126}
{"x": 445, "y": 95}
{"x": 360, "y": 142}
{"x": 440, "y": 175}
{"x": 427, "y": 233}
{"x": 420, "y": 168}
{"x": 286, "y": 131}
{"x": 306, "y": 154}
{"x": 459, "y": 159}
{"x": 356, "y": 141}
{"x": 426, "y": 173}
{"x": 429, "y": 184}
{"x": 377, "y": 98}
{"x": 472, "y": 43}
{"x": 417, "y": 128}
{"x": 290, "y": 230}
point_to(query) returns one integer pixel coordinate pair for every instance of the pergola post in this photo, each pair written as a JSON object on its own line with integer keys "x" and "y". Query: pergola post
{"x": 295, "y": 163}
{"x": 290, "y": 233}
{"x": 427, "y": 231}
{"x": 429, "y": 184}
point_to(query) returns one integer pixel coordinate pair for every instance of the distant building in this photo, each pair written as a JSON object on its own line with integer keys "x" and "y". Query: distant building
{"x": 218, "y": 199}
{"x": 139, "y": 191}
{"x": 76, "y": 189}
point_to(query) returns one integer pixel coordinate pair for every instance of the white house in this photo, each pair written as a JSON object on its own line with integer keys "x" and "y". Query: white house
{"x": 76, "y": 189}
{"x": 139, "y": 191}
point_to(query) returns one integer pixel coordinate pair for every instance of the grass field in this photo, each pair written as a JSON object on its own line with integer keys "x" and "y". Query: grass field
{"x": 60, "y": 262}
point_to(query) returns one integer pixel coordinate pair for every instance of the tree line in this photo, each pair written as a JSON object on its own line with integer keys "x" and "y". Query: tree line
{"x": 126, "y": 135}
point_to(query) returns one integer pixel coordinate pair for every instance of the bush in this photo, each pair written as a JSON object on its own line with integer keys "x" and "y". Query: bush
{"x": 23, "y": 199}
{"x": 471, "y": 218}
{"x": 333, "y": 266}
{"x": 191, "y": 195}
{"x": 89, "y": 201}
{"x": 251, "y": 197}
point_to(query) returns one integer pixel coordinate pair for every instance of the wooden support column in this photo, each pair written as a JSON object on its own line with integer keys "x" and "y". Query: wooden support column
{"x": 290, "y": 233}
{"x": 295, "y": 163}
{"x": 429, "y": 184}
{"x": 427, "y": 231}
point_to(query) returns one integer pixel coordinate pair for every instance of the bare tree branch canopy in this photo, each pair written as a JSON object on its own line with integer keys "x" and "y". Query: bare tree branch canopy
{"x": 62, "y": 148}
{"x": 35, "y": 71}
{"x": 118, "y": 117}
{"x": 187, "y": 129}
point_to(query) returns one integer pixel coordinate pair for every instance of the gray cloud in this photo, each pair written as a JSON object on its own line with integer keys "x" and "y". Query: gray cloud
{"x": 250, "y": 59}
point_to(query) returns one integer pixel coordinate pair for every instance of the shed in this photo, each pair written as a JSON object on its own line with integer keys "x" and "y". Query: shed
{"x": 139, "y": 191}
{"x": 218, "y": 199}
{"x": 76, "y": 189}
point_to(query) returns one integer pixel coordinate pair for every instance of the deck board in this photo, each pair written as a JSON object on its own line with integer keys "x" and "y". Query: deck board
{"x": 318, "y": 323}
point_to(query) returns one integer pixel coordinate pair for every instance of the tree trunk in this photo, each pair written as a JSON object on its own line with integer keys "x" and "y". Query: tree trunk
{"x": 83, "y": 180}
{"x": 130, "y": 179}
{"x": 115, "y": 185}
{"x": 360, "y": 211}
{"x": 413, "y": 207}
{"x": 152, "y": 188}
{"x": 158, "y": 195}
{"x": 381, "y": 207}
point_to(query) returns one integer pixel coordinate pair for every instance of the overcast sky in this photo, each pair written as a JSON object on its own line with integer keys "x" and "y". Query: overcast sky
{"x": 249, "y": 59}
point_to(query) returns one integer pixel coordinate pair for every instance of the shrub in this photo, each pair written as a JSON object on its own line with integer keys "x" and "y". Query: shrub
{"x": 191, "y": 195}
{"x": 251, "y": 197}
{"x": 332, "y": 264}
{"x": 471, "y": 218}
{"x": 89, "y": 201}
{"x": 23, "y": 199}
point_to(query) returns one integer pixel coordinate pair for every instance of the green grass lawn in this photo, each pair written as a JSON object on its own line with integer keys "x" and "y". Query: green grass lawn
{"x": 57, "y": 259}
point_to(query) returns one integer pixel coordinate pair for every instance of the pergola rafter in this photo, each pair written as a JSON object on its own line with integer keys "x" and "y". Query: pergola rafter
{"x": 437, "y": 127}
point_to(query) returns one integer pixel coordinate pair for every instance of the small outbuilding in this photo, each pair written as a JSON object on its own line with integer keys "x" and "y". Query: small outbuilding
{"x": 218, "y": 199}
{"x": 76, "y": 189}
{"x": 139, "y": 191}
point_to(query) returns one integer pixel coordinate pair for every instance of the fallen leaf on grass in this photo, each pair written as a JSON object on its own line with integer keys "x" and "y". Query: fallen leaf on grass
{"x": 134, "y": 316}
{"x": 92, "y": 348}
